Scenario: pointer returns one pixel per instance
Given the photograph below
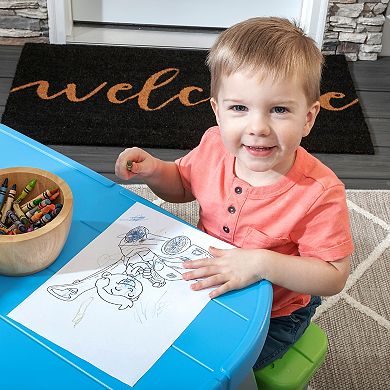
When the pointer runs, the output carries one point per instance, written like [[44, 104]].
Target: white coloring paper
[[121, 302]]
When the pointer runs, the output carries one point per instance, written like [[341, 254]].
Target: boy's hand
[[143, 163], [231, 269]]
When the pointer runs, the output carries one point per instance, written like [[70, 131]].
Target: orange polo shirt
[[303, 214]]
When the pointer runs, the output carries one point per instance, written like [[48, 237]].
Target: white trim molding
[[313, 19], [60, 20]]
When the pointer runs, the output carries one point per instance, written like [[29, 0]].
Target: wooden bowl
[[27, 253]]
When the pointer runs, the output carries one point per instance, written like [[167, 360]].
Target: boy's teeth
[[258, 147]]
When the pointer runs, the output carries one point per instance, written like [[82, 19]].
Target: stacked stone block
[[23, 19], [354, 28]]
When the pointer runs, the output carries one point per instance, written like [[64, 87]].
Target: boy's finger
[[197, 263]]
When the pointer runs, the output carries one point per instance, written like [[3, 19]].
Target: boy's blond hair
[[272, 46]]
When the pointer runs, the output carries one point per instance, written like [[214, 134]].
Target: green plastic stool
[[298, 365]]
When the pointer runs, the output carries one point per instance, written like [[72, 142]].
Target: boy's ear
[[214, 106], [311, 117]]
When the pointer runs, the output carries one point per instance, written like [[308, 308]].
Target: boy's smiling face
[[262, 124]]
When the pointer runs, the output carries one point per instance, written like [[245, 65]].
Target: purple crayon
[[3, 191], [8, 204]]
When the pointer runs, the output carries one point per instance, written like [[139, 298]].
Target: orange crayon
[[46, 194], [55, 196]]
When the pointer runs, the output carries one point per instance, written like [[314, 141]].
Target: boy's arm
[[233, 269], [162, 177]]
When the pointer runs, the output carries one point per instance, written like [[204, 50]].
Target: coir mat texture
[[148, 97]]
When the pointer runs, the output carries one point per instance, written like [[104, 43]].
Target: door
[[200, 13]]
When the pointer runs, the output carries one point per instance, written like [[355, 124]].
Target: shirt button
[[231, 209], [226, 229], [238, 190]]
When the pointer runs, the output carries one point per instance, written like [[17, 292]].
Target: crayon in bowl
[[35, 216], [19, 218]]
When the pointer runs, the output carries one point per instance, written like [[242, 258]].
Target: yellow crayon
[[20, 214]]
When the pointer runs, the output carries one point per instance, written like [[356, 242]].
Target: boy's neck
[[262, 179]]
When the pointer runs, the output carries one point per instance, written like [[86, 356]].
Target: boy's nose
[[259, 126]]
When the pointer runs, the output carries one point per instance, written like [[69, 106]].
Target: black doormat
[[121, 96]]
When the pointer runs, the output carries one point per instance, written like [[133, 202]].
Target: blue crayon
[[55, 212], [15, 220], [44, 203], [3, 191], [8, 204], [43, 221]]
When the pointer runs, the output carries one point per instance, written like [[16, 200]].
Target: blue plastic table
[[216, 351]]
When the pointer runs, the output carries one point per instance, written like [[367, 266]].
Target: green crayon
[[30, 205], [27, 189]]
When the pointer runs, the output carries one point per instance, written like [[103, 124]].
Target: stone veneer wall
[[353, 27], [23, 19]]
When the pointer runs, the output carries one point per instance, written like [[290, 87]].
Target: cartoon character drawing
[[145, 256]]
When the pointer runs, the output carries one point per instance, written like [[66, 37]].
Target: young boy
[[257, 188]]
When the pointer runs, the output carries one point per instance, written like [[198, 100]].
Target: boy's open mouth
[[259, 151], [259, 147]]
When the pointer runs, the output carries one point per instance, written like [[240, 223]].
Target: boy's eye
[[239, 107], [279, 110]]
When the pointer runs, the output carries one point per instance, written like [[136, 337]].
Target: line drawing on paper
[[81, 312], [146, 258]]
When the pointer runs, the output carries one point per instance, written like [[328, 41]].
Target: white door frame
[[60, 20], [313, 17]]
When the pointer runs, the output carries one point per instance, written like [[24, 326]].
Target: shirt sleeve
[[189, 163], [325, 231]]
